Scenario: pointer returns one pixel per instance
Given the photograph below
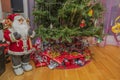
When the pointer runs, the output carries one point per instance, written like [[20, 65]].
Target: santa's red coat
[[16, 47]]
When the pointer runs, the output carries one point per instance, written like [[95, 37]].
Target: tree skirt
[[62, 60]]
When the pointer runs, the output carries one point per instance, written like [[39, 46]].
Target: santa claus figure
[[20, 45]]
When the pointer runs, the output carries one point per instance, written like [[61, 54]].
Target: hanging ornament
[[51, 26], [95, 22], [82, 24], [90, 13]]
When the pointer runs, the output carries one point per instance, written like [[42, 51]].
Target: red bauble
[[82, 25]]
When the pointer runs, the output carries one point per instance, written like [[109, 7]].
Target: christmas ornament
[[90, 13], [95, 22], [51, 26], [82, 24]]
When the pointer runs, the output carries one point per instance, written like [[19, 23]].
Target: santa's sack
[[2, 60]]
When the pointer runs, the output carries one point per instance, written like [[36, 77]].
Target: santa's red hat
[[11, 16]]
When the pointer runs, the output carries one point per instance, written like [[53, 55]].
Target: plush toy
[[20, 45]]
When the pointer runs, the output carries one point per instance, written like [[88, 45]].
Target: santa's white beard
[[22, 29]]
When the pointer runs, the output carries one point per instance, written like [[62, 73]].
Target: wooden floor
[[105, 65]]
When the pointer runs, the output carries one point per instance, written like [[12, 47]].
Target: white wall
[[1, 10], [25, 6]]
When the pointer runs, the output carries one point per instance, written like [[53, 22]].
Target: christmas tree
[[67, 21]]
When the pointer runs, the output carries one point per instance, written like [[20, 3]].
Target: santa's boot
[[18, 70], [26, 66]]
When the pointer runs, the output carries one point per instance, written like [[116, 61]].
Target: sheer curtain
[[112, 10]]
